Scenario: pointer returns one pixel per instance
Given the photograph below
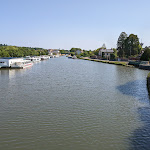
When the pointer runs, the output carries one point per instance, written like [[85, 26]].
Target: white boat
[[52, 56], [33, 59], [56, 56], [21, 65], [3, 65], [6, 62], [44, 57]]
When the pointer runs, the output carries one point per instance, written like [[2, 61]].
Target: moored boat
[[21, 65], [33, 59], [45, 57], [144, 65]]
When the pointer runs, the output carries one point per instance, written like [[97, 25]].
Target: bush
[[146, 55]]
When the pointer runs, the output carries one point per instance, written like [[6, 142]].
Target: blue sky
[[72, 23]]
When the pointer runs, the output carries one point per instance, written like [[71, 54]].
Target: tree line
[[128, 45], [14, 51], [90, 53]]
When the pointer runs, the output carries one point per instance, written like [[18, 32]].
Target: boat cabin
[[8, 61]]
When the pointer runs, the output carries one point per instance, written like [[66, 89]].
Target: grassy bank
[[122, 63]]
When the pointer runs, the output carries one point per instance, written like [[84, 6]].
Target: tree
[[114, 55], [146, 55], [72, 53], [96, 51], [132, 45], [4, 53], [75, 49], [121, 44], [14, 51]]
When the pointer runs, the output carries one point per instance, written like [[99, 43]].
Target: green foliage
[[87, 53], [64, 51], [96, 51], [112, 57], [14, 51], [146, 55], [72, 53], [115, 53], [75, 49], [91, 53], [84, 53], [3, 44], [78, 56], [128, 45], [121, 44], [132, 45], [148, 76]]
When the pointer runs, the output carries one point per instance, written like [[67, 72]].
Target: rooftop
[[107, 50]]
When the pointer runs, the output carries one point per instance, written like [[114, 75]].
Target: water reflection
[[136, 89], [11, 73], [140, 139], [73, 104]]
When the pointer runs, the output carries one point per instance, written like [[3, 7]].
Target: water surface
[[64, 104]]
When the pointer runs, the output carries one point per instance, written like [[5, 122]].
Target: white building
[[8, 61], [105, 53], [53, 52], [78, 52]]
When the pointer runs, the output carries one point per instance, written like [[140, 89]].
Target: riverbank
[[148, 82], [122, 63]]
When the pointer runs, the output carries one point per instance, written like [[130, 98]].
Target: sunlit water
[[66, 104]]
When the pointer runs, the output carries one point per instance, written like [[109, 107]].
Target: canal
[[66, 104]]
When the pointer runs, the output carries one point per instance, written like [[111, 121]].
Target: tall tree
[[75, 49], [121, 44], [132, 45]]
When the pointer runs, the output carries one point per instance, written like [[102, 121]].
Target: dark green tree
[[146, 55], [132, 45], [121, 44], [75, 49]]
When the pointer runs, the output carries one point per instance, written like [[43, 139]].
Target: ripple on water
[[74, 104]]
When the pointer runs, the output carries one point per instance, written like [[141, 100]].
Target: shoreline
[[122, 63], [119, 63]]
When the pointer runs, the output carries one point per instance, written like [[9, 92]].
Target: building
[[8, 61], [105, 53], [78, 52], [53, 52]]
